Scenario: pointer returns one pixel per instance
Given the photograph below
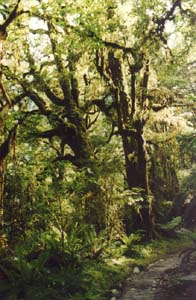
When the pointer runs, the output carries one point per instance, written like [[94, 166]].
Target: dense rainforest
[[97, 141]]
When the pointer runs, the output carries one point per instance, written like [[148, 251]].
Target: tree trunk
[[2, 180], [137, 177], [131, 132], [4, 151]]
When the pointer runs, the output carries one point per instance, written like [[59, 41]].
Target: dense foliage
[[97, 145]]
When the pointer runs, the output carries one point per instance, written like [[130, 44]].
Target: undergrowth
[[55, 275]]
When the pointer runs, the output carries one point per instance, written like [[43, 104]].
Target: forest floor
[[172, 277]]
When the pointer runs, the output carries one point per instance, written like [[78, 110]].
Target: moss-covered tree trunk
[[131, 130], [4, 151], [64, 114], [2, 180]]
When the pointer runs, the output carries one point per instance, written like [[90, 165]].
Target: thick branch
[[70, 158], [56, 100], [112, 45], [49, 93], [41, 82], [9, 20], [39, 102], [168, 17], [158, 31], [31, 94], [60, 68], [49, 134], [158, 107], [120, 47], [101, 104]]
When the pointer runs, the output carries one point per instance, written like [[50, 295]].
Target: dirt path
[[166, 279]]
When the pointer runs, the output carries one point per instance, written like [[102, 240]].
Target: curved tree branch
[[9, 20]]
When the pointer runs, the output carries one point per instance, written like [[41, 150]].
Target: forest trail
[[165, 279]]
